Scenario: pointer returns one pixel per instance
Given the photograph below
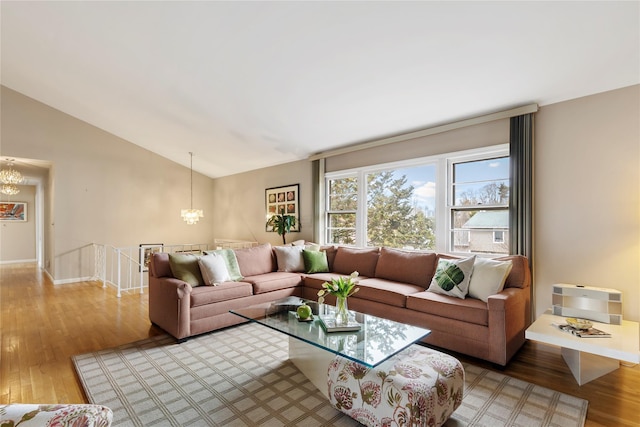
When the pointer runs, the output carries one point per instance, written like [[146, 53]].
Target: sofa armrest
[[508, 313], [169, 305]]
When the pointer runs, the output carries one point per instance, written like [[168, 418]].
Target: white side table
[[589, 358]]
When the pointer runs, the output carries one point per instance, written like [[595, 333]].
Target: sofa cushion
[[386, 291], [468, 310], [397, 265], [185, 267], [214, 269], [452, 277], [331, 252], [256, 260], [289, 258], [315, 261], [263, 283], [315, 280], [231, 261], [520, 275], [488, 277], [159, 265], [363, 261], [204, 295]]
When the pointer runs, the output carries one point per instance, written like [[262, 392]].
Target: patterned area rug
[[241, 376]]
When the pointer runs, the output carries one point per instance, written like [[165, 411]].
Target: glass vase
[[342, 311]]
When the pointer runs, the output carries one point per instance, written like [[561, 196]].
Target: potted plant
[[282, 224]]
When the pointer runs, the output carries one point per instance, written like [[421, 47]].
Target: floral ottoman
[[72, 415], [417, 387]]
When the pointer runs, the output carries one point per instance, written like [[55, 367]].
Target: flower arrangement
[[341, 287]]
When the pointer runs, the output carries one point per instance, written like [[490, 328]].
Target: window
[[450, 203], [401, 207], [342, 208], [479, 204]]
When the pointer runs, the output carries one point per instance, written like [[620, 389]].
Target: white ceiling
[[245, 85]]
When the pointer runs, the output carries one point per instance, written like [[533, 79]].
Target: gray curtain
[[521, 200]]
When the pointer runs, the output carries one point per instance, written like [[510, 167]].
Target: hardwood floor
[[43, 325]]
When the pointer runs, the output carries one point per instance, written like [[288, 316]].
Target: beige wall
[[18, 239], [587, 190], [466, 138], [239, 202], [102, 189]]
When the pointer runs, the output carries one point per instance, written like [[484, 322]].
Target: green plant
[[282, 224], [341, 287]]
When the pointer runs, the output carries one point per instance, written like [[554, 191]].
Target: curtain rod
[[526, 109]]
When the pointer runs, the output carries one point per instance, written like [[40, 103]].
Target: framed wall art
[[283, 200], [13, 211], [146, 249]]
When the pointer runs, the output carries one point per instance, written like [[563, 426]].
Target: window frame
[[444, 191], [327, 203], [487, 153]]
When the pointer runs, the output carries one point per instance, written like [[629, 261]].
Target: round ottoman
[[417, 387]]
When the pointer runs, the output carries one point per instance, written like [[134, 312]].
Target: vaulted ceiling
[[246, 85]]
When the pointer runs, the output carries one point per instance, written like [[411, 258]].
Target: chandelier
[[9, 178], [191, 216], [9, 189]]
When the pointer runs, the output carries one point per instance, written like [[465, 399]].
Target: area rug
[[241, 376]]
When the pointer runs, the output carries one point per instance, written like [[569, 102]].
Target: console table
[[589, 358]]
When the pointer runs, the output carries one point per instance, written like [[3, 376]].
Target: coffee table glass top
[[377, 340]]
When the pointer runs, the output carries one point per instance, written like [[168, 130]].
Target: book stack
[[328, 323]]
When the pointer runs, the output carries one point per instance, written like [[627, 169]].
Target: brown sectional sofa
[[393, 284]]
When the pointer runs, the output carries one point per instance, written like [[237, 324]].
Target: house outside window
[[422, 204], [487, 231], [478, 203]]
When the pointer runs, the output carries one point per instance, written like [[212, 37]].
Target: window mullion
[[361, 214], [442, 205]]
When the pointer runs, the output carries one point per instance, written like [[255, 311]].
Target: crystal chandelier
[[191, 216], [9, 189], [9, 178]]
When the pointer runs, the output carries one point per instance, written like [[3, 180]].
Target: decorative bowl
[[579, 323]]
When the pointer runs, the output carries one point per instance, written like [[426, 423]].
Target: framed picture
[[146, 249], [283, 200], [13, 211]]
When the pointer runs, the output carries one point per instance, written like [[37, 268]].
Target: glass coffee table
[[312, 349]]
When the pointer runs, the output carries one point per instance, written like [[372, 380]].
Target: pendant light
[[191, 216], [9, 178]]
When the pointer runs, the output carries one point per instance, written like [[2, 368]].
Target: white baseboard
[[73, 280], [19, 261], [48, 274]]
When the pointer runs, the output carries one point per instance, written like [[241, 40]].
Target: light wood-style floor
[[43, 325]]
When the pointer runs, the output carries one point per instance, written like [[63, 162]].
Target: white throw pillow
[[452, 277], [289, 258], [214, 269], [488, 277]]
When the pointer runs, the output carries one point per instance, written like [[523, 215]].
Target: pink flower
[[343, 397]]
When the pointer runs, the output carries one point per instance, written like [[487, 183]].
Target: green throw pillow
[[232, 262], [185, 267], [315, 261], [452, 277]]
